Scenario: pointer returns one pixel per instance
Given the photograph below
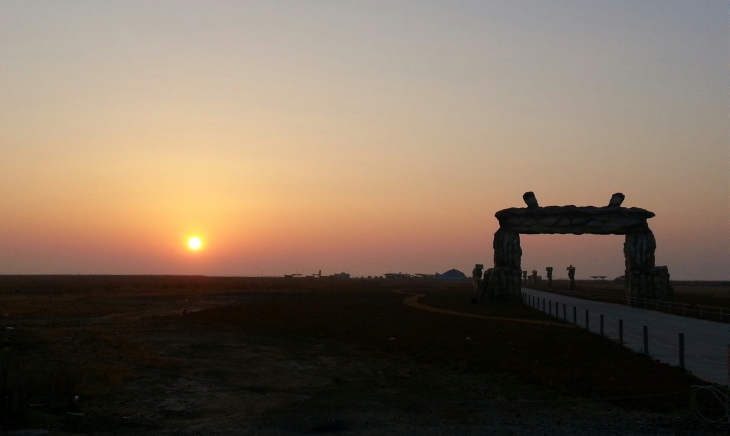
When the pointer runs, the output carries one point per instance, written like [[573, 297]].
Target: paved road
[[705, 342]]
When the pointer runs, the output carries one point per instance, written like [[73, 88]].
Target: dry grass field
[[302, 356]]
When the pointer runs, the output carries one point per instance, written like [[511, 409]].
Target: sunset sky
[[366, 137]]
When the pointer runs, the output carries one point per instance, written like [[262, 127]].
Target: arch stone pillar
[[643, 278], [506, 277]]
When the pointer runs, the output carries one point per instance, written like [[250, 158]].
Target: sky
[[366, 137]]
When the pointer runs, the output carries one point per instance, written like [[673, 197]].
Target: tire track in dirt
[[412, 301]]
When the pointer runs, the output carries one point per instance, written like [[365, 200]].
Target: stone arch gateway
[[643, 278]]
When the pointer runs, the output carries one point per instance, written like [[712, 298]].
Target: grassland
[[278, 356]]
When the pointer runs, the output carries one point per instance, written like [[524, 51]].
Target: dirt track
[[412, 301]]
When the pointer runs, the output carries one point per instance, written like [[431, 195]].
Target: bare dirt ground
[[301, 356]]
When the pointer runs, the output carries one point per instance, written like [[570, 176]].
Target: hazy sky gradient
[[356, 136]]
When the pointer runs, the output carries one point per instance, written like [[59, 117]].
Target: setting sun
[[194, 243]]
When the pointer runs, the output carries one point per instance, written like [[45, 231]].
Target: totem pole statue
[[571, 276], [549, 270]]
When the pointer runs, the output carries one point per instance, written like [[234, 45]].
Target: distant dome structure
[[452, 274]]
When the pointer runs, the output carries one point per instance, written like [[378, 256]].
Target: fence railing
[[718, 357], [713, 313]]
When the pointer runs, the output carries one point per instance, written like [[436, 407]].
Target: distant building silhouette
[[341, 275], [452, 274]]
